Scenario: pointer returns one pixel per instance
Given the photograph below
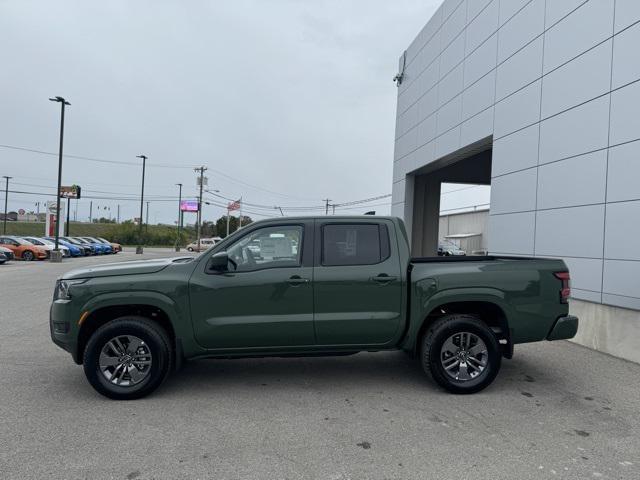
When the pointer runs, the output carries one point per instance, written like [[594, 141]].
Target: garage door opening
[[451, 188]]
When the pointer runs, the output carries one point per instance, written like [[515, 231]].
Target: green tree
[[221, 224]]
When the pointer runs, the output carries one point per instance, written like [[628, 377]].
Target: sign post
[[51, 221], [69, 192]]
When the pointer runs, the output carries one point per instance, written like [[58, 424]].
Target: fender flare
[[178, 319], [456, 295]]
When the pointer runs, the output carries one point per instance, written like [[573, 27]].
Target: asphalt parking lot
[[557, 410]]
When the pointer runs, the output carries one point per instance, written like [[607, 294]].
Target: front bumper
[[564, 328], [63, 329]]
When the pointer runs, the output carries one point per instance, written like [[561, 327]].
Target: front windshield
[[72, 240], [22, 241], [34, 241]]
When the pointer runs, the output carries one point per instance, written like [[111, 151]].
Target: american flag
[[234, 206]]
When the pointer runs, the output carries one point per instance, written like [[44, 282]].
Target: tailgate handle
[[383, 278], [297, 280]]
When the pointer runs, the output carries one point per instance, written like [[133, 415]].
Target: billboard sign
[[70, 192], [189, 205]]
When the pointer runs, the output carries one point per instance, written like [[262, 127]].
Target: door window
[[268, 247], [357, 244]]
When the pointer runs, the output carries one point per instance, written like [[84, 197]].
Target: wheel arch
[[489, 310], [102, 310]]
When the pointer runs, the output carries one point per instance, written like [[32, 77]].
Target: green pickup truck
[[308, 286]]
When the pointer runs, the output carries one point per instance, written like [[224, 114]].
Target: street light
[[6, 200], [56, 255], [179, 185], [139, 247]]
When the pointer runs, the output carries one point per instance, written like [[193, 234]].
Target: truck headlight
[[63, 287]]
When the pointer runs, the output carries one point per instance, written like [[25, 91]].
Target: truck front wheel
[[127, 358], [461, 353]]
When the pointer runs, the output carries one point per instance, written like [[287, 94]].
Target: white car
[[7, 253], [48, 245], [204, 244]]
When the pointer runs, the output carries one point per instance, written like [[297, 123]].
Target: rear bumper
[[564, 328]]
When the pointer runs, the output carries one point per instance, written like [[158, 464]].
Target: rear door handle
[[297, 280], [383, 278]]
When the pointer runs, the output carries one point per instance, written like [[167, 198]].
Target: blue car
[[74, 250], [98, 248], [106, 246]]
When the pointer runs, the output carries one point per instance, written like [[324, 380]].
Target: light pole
[[179, 185], [6, 200], [56, 255], [139, 247]]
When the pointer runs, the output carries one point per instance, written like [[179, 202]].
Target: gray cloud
[[292, 96]]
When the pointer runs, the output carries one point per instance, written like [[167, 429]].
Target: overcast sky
[[291, 97]]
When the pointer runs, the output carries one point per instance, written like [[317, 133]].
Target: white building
[[540, 100]]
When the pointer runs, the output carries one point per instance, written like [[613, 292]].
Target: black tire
[[190, 249], [28, 255], [156, 341], [431, 353]]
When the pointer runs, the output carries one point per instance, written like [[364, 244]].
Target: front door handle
[[296, 280], [383, 278]]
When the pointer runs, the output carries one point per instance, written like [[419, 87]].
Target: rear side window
[[357, 244]]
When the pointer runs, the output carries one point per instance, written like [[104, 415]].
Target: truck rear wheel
[[461, 353], [127, 358]]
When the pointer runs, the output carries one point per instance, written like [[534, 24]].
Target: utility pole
[[118, 217], [199, 219], [179, 216], [68, 215], [139, 247], [146, 227], [6, 201], [91, 211], [240, 218], [326, 209], [334, 209], [281, 212], [56, 255]]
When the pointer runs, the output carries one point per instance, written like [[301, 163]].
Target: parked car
[[116, 247], [96, 248], [49, 245], [205, 243], [351, 286], [446, 249], [8, 253], [74, 250], [3, 259], [23, 249], [85, 247], [106, 247]]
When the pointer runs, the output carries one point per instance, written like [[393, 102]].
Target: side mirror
[[219, 262]]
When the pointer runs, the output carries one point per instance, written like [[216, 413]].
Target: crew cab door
[[357, 282], [265, 298]]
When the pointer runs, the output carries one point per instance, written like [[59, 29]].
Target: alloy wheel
[[125, 360], [464, 356]]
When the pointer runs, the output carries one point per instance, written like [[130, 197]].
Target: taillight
[[565, 291]]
